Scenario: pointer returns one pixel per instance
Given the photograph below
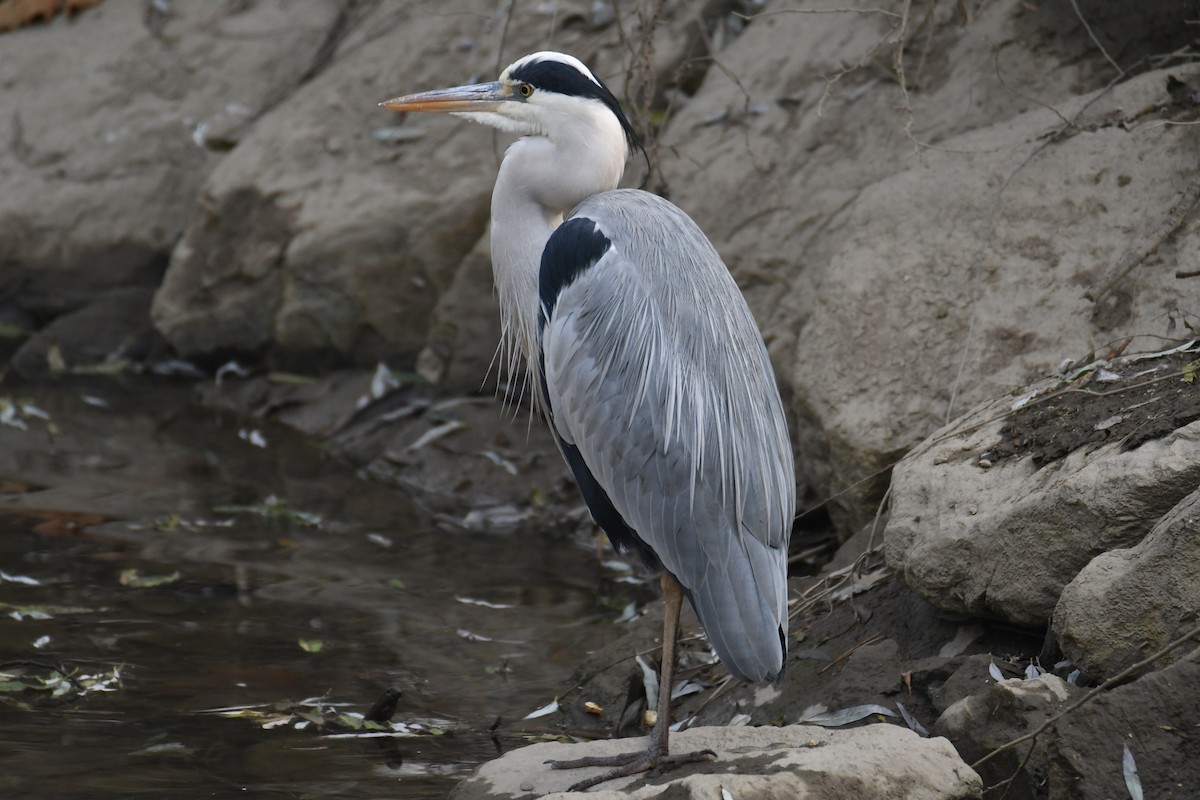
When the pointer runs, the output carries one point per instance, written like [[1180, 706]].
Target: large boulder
[[1129, 603], [795, 761], [333, 230], [115, 117], [1002, 539], [910, 255]]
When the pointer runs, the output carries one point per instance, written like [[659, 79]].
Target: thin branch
[[847, 10], [1095, 41]]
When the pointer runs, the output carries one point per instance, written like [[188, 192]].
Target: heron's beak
[[476, 97]]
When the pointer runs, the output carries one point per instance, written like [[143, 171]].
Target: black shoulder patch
[[573, 248], [555, 76]]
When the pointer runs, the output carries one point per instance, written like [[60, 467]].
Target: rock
[[1126, 604], [881, 250], [1003, 541], [108, 114], [310, 242], [981, 722], [333, 230], [876, 761], [1155, 716], [114, 328]]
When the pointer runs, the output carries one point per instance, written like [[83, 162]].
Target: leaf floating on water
[[995, 672], [22, 579], [311, 645], [913, 724], [544, 711], [134, 579], [1133, 782], [253, 436], [396, 583], [41, 642], [274, 509], [473, 637], [592, 708], [277, 721], [738, 721], [178, 749], [471, 601], [845, 716]]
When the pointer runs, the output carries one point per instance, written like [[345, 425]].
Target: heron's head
[[543, 94]]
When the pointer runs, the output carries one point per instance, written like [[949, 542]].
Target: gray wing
[[656, 372]]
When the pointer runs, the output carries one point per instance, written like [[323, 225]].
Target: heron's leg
[[656, 756]]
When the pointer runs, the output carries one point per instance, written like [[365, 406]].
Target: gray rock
[[867, 254], [876, 761], [114, 328], [981, 722], [1004, 541], [315, 240], [334, 229], [1085, 746], [115, 117], [1126, 604]]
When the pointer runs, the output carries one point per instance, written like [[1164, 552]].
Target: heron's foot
[[650, 761]]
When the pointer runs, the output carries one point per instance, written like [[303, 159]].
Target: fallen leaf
[[1133, 783], [544, 711], [845, 716]]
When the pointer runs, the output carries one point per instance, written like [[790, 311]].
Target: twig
[[870, 640], [901, 77], [846, 10], [1108, 684], [1095, 41]]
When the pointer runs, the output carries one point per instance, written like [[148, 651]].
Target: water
[[100, 504]]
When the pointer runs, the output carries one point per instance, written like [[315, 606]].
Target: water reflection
[[242, 607]]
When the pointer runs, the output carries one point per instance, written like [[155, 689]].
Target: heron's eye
[[525, 90]]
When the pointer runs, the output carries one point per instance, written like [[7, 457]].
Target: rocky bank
[[968, 232]]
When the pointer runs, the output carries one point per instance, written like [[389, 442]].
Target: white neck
[[541, 180]]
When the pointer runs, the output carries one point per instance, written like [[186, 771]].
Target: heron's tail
[[742, 605]]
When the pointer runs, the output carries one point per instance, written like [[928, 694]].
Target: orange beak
[[476, 97]]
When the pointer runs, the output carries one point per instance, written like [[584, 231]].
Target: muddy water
[[147, 549]]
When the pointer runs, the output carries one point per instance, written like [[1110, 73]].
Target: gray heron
[[647, 363]]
